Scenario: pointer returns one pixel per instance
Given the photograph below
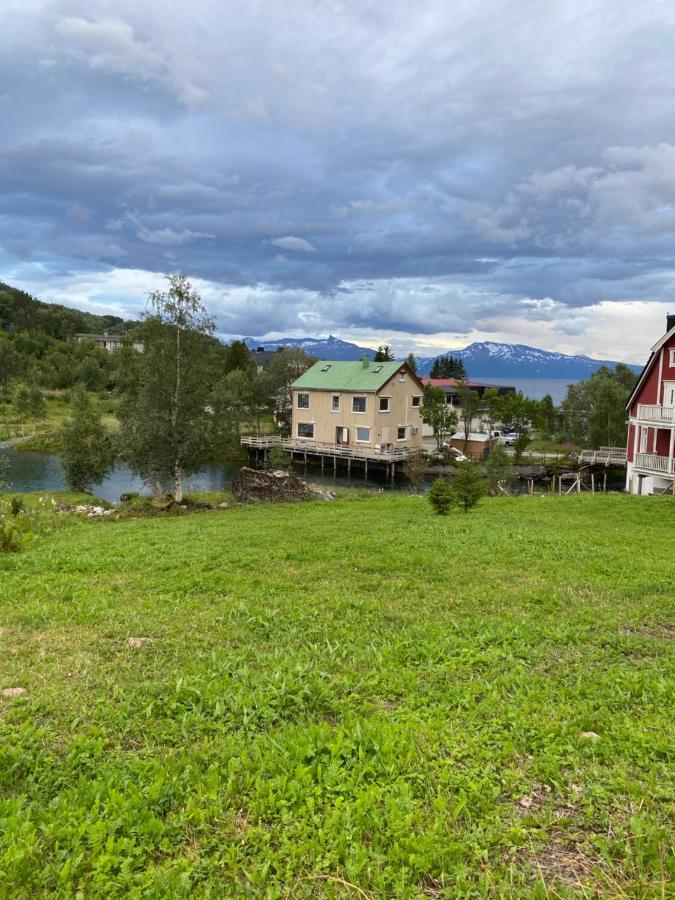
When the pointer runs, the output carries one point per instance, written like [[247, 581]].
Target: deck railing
[[605, 456], [654, 412], [317, 448], [655, 463]]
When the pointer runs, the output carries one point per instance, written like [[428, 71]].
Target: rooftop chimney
[[670, 322], [365, 362]]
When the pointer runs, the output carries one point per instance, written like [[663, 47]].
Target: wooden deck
[[605, 456], [387, 458]]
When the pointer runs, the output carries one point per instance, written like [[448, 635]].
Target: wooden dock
[[605, 456], [387, 457]]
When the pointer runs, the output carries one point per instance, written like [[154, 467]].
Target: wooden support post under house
[[592, 482]]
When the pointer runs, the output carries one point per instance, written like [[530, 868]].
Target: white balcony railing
[[652, 462], [653, 412]]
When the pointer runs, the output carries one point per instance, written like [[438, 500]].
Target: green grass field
[[347, 699]]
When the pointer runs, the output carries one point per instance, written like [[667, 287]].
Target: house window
[[363, 435], [416, 400], [672, 357], [325, 368], [400, 433], [401, 376], [384, 404], [377, 370], [358, 404], [303, 401], [335, 403], [305, 429]]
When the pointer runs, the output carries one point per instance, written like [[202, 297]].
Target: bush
[[16, 506], [467, 485], [15, 531], [441, 496], [277, 458]]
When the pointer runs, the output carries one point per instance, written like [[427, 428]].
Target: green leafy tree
[[166, 423], [238, 356], [414, 469], [490, 409], [438, 413], [28, 401], [449, 367], [231, 402], [498, 471], [545, 416], [384, 354], [412, 362], [277, 458], [469, 406], [467, 485], [593, 412], [441, 496], [286, 365], [11, 363], [86, 448]]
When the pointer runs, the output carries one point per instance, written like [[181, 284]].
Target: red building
[[651, 422]]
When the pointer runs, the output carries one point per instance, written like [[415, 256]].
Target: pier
[[387, 457]]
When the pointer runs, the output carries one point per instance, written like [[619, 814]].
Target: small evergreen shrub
[[441, 496]]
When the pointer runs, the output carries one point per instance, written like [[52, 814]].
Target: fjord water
[[29, 471]]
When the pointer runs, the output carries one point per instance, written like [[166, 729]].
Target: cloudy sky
[[425, 173]]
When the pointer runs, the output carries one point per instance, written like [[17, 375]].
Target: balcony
[[653, 412], [652, 462]]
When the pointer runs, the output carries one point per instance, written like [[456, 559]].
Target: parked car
[[509, 438]]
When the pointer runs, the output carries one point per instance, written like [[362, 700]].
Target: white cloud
[[294, 243]]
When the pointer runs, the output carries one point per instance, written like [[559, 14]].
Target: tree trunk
[[154, 486], [174, 421]]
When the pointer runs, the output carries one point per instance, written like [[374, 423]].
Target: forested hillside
[[21, 312], [36, 345]]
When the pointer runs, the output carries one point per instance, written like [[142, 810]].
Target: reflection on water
[[28, 471]]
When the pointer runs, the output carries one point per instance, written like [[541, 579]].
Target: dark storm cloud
[[464, 162]]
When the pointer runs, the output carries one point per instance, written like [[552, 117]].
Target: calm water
[[534, 387], [29, 471]]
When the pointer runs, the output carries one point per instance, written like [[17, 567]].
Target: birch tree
[[166, 419]]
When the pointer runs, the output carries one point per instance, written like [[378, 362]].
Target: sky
[[423, 174]]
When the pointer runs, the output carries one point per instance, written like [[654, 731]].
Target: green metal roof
[[328, 375]]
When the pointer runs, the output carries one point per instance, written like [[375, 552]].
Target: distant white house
[[109, 342]]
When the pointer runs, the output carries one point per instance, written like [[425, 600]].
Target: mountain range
[[484, 359]]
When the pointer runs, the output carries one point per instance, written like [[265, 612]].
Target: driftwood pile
[[274, 486]]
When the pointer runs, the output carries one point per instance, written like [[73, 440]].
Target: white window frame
[[417, 397], [672, 357], [305, 437], [405, 432], [334, 408], [360, 412], [388, 409], [401, 376], [363, 428], [297, 400]]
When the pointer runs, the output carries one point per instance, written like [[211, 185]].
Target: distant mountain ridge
[[488, 359], [484, 359], [325, 348]]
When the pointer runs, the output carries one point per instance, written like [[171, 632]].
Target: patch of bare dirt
[[8, 693], [663, 630], [565, 864], [133, 643]]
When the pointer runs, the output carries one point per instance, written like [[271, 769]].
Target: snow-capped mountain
[[325, 348], [491, 360], [484, 359]]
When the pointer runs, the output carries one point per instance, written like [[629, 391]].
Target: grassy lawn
[[350, 699], [43, 434]]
